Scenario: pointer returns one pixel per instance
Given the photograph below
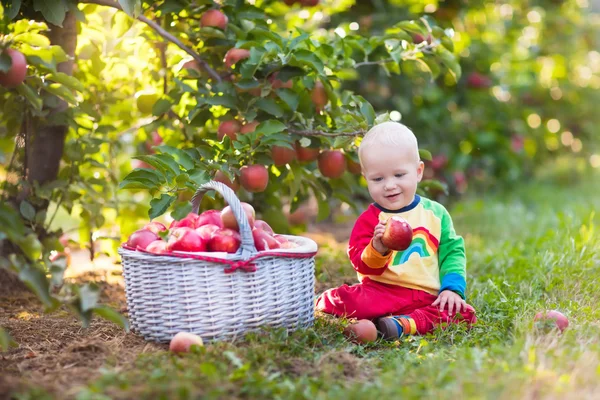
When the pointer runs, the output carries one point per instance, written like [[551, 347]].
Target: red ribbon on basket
[[246, 266]]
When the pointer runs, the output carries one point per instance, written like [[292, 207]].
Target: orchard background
[[126, 107]]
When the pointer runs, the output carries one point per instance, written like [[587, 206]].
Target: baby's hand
[[377, 234], [454, 302]]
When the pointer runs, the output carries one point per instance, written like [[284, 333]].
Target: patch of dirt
[[55, 352]]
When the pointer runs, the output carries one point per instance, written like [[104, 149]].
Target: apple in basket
[[226, 240], [206, 231], [260, 224], [264, 240], [155, 227], [186, 239], [158, 247], [229, 220], [210, 217], [141, 238], [189, 221]]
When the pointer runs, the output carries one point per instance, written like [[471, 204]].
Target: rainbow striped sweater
[[435, 260]]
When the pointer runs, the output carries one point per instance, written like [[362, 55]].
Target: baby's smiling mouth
[[389, 196]]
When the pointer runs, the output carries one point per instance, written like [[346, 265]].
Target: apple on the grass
[[141, 238], [264, 241], [228, 218], [558, 318], [186, 239], [226, 240], [158, 247], [155, 227], [398, 234], [206, 231], [209, 217], [183, 342], [189, 221]]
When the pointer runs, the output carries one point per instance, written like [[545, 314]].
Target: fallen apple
[[226, 240], [398, 234], [362, 331], [183, 342], [186, 239], [558, 318], [141, 238]]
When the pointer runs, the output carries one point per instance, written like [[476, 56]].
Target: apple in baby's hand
[[158, 247], [260, 224], [183, 341], [206, 231], [558, 318], [263, 240], [155, 227], [188, 221], [226, 240], [141, 238], [186, 239], [229, 220], [398, 234], [210, 217]]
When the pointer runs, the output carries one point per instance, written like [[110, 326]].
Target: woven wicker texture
[[168, 294]]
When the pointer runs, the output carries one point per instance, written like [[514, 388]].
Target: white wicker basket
[[220, 296]]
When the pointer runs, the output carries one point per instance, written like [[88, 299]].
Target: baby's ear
[[420, 170]]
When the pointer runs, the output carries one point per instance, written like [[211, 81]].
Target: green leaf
[[425, 154], [88, 296], [62, 92], [290, 98], [367, 110], [33, 39], [450, 61], [271, 127], [5, 62], [31, 246], [225, 100], [198, 176], [270, 106], [131, 7], [54, 11], [6, 341], [27, 210], [141, 179], [410, 26], [160, 205], [181, 210], [36, 280], [67, 80], [161, 107], [10, 222], [323, 204], [11, 9], [121, 23], [448, 43], [32, 97], [110, 314], [307, 58], [183, 158]]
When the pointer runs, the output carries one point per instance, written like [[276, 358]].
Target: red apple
[[290, 2], [155, 227], [189, 221], [278, 83], [418, 38], [476, 80], [398, 234], [221, 177], [306, 154], [141, 238], [353, 167], [319, 96], [559, 318], [282, 155], [229, 128], [183, 341], [254, 178], [17, 72], [439, 161], [309, 3], [214, 18], [263, 240], [226, 240], [287, 245], [363, 331], [249, 127], [206, 231], [260, 224], [192, 64], [280, 238], [332, 163], [186, 239], [158, 247], [209, 217], [228, 218], [233, 56]]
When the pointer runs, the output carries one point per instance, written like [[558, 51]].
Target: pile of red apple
[[213, 230]]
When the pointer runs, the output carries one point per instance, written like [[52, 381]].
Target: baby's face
[[392, 174]]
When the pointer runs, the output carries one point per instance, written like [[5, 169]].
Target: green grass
[[537, 248]]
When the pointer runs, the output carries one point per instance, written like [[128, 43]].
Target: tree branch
[[360, 132], [166, 35]]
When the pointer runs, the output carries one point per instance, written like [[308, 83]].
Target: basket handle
[[247, 248]]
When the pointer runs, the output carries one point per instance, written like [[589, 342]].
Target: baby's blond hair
[[390, 134]]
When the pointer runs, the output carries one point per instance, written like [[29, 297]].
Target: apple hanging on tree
[[17, 72]]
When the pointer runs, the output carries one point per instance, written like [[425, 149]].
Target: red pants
[[371, 300]]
